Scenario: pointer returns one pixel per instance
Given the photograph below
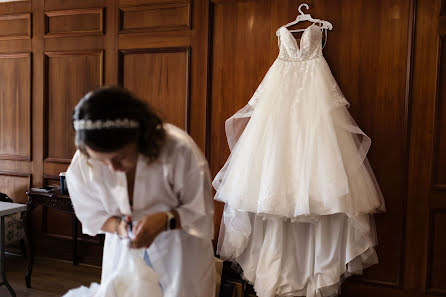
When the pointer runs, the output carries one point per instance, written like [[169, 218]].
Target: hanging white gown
[[297, 186], [179, 179]]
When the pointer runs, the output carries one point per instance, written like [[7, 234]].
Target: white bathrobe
[[179, 179]]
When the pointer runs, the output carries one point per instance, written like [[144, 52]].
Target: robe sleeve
[[196, 207], [86, 200]]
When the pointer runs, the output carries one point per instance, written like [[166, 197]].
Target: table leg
[[75, 224], [2, 257], [27, 223]]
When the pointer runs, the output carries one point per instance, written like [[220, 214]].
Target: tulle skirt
[[300, 153]]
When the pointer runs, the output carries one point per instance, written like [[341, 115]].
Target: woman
[[134, 172]]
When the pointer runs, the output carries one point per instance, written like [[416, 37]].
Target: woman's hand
[[148, 229], [117, 225], [122, 227]]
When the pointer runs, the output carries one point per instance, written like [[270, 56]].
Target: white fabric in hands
[[132, 278]]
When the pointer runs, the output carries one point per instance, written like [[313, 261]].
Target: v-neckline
[[293, 39], [131, 203]]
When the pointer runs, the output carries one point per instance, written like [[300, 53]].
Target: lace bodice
[[310, 44]]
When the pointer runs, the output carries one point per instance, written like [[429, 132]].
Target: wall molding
[[58, 54], [186, 50], [180, 13], [26, 34], [72, 13], [28, 156]]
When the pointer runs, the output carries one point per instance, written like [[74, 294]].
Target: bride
[[135, 175]]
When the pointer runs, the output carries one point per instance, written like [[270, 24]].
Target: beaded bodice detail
[[310, 44]]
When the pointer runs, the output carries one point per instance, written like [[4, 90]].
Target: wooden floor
[[50, 277]]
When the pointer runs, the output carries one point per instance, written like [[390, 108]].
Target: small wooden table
[[6, 208], [56, 200]]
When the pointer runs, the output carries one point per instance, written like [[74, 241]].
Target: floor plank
[[50, 277]]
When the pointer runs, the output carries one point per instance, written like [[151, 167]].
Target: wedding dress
[[298, 188]]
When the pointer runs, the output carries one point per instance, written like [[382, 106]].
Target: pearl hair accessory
[[104, 124]]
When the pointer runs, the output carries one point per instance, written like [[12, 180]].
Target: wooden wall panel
[[175, 16], [15, 185], [75, 22], [15, 7], [160, 77], [17, 26], [436, 275], [70, 75], [15, 106], [237, 61], [439, 177], [73, 4], [421, 162], [145, 2]]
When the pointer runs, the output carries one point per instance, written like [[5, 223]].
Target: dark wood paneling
[[15, 46], [439, 177], [145, 2], [15, 166], [155, 40], [438, 200], [15, 106], [161, 78], [63, 44], [200, 69], [174, 16], [69, 76], [74, 22], [15, 185], [73, 4], [436, 275], [422, 119], [17, 26], [240, 59], [53, 168], [15, 7]]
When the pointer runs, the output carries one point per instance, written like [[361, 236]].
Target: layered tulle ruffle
[[300, 152]]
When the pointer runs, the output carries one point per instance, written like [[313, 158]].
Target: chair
[[14, 228]]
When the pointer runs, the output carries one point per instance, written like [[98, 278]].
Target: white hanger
[[307, 17]]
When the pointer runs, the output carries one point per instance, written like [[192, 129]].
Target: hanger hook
[[300, 7]]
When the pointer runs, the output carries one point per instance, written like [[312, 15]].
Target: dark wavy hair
[[111, 103]]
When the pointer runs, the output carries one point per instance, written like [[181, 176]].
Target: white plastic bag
[[132, 278]]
